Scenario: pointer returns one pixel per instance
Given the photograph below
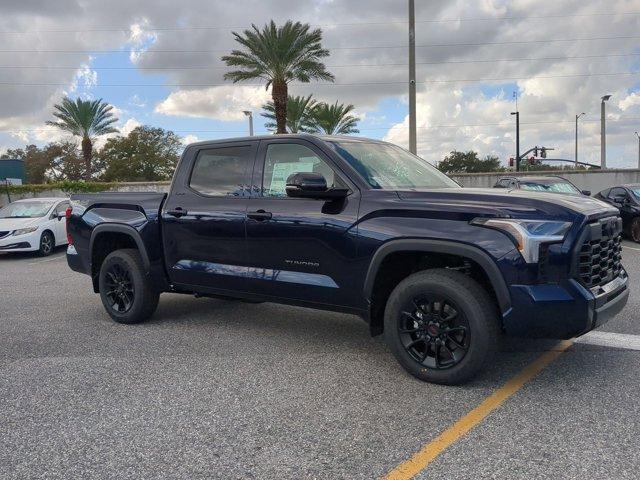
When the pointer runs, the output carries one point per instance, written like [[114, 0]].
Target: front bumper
[[20, 243], [563, 310]]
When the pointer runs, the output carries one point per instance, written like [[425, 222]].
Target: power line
[[344, 65], [110, 28], [369, 47], [505, 123], [354, 84]]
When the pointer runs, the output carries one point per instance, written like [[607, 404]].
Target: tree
[[299, 114], [56, 161], [146, 154], [335, 119], [468, 162], [279, 55], [85, 119]]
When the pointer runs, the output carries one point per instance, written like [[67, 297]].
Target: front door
[[298, 248], [204, 218]]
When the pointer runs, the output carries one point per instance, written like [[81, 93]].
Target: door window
[[617, 192], [285, 159], [221, 171]]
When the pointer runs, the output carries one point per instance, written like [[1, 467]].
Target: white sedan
[[34, 224]]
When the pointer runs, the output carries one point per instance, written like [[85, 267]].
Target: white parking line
[[47, 260], [610, 339], [631, 248]]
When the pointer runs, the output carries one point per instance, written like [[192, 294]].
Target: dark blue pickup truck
[[363, 227]]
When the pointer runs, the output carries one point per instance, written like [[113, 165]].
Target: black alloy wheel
[[120, 291], [434, 332]]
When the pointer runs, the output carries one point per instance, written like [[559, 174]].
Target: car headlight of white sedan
[[24, 231]]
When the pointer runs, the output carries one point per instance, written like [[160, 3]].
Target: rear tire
[[47, 244], [441, 325], [125, 291], [634, 230]]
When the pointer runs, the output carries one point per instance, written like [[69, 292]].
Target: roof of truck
[[304, 136]]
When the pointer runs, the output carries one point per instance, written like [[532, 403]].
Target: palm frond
[[335, 119]]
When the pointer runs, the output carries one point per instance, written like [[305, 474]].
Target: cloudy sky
[[159, 63]]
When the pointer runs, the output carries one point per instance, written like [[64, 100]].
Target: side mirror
[[619, 199], [312, 185], [61, 215], [586, 192]]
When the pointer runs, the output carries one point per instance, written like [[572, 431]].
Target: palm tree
[[279, 55], [85, 119], [299, 114], [335, 119]]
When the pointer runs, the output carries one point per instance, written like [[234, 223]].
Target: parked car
[[545, 183], [627, 199], [358, 226], [34, 224]]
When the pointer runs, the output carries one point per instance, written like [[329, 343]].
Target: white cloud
[[631, 100], [224, 103], [188, 139], [128, 126]]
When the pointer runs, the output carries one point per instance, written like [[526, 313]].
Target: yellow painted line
[[430, 452]]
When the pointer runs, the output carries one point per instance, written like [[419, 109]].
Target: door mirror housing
[[586, 192], [619, 199], [312, 185], [61, 215]]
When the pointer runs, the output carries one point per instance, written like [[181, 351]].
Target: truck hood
[[512, 203], [8, 224]]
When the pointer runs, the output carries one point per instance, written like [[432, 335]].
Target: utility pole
[[517, 114], [249, 114], [638, 149], [576, 156], [413, 142], [603, 134]]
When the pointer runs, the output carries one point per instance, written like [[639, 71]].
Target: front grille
[[4, 234], [600, 255]]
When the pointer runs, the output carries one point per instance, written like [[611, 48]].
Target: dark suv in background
[[625, 198]]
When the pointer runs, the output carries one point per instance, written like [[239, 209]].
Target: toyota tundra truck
[[363, 227]]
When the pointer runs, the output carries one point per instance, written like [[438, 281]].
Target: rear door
[[299, 248], [204, 218]]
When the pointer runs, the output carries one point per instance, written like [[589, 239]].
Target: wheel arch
[[437, 247], [120, 236]]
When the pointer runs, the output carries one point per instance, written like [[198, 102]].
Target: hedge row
[[66, 186]]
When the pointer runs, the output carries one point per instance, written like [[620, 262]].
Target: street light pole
[[249, 114], [517, 114], [413, 141], [638, 149], [603, 134], [576, 156]]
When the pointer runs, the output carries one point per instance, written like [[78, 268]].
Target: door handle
[[177, 212], [260, 215]]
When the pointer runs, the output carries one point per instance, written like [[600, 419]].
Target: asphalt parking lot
[[217, 389]]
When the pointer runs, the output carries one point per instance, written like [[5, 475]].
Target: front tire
[[47, 243], [441, 325], [126, 293]]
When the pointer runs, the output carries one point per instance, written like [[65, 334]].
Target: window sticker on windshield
[[282, 171]]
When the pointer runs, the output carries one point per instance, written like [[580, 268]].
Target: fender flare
[[125, 229], [442, 246]]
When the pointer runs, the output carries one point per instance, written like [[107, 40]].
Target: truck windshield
[[388, 167], [25, 210]]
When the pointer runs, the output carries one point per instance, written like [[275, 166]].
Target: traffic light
[[511, 161], [543, 152], [535, 152]]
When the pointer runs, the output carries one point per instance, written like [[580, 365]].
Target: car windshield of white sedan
[[550, 186], [25, 210], [388, 167], [636, 192]]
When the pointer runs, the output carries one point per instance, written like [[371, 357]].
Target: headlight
[[528, 235], [24, 231]]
